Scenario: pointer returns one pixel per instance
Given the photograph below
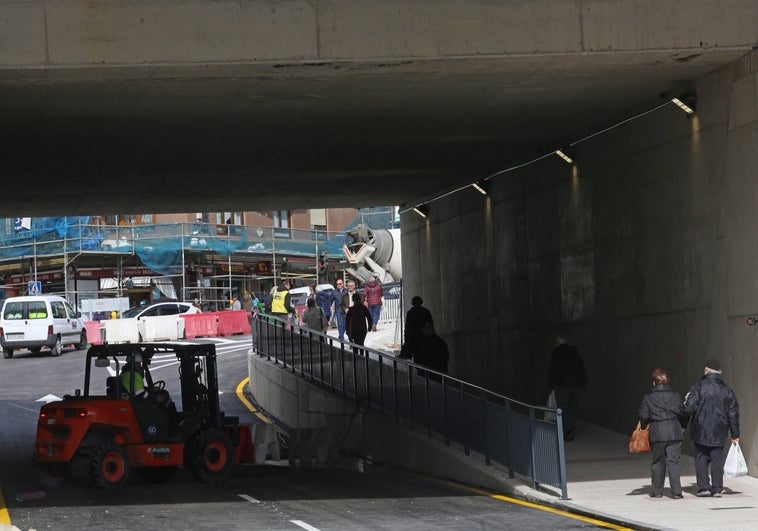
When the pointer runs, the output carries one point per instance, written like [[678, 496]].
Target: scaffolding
[[192, 261]]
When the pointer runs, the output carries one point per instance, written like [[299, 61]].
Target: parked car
[[165, 307], [37, 321], [157, 309]]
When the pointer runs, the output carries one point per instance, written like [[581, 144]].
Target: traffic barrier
[[162, 327], [200, 324], [94, 336], [243, 444], [233, 322], [265, 442], [121, 330]]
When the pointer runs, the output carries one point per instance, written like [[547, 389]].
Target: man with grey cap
[[715, 413]]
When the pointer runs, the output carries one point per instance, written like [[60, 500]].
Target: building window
[[227, 218], [281, 224], [318, 232], [281, 219]]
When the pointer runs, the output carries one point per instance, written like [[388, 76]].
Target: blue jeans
[[341, 324], [375, 312]]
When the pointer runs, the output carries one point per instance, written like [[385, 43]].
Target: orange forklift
[[106, 435]]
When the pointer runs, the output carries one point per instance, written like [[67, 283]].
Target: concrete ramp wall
[[356, 432]]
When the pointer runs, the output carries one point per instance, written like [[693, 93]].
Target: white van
[[37, 321]]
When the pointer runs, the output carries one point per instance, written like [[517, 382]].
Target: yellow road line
[[249, 405], [5, 517], [594, 521]]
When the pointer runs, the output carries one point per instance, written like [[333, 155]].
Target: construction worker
[[139, 380], [281, 303]]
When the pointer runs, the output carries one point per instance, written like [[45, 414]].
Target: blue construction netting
[[160, 247]]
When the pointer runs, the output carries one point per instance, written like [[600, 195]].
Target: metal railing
[[506, 431]]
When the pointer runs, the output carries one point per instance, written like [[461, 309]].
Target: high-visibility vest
[[277, 303], [139, 382]]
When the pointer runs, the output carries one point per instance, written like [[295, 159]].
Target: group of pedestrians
[[712, 408], [357, 315], [354, 315]]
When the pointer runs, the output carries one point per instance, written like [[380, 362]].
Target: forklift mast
[[199, 382]]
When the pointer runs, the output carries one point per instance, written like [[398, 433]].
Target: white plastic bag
[[735, 465], [552, 404]]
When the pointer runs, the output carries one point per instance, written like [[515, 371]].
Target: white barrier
[[162, 327], [121, 330], [265, 442]]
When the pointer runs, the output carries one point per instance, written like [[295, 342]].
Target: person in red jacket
[[373, 294]]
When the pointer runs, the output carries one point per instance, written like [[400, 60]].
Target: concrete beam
[[67, 33]]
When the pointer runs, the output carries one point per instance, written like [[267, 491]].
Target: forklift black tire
[[157, 474], [109, 466], [7, 353], [210, 456]]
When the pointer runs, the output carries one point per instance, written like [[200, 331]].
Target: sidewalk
[[606, 481]]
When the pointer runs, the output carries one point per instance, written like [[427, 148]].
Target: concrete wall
[[363, 433], [644, 253], [65, 33]]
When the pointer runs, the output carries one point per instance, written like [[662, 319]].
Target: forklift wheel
[[109, 466], [211, 456]]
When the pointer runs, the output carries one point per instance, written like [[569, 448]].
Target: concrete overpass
[[642, 251]]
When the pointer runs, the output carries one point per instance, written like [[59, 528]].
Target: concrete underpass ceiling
[[258, 137]]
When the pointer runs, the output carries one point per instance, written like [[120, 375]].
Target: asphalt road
[[347, 496]]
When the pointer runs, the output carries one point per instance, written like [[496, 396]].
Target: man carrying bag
[[715, 413]]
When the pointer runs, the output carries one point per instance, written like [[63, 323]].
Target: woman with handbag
[[663, 411]]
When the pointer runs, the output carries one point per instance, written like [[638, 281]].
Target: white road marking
[[304, 525], [248, 498]]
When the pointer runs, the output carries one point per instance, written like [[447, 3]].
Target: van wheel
[[57, 348], [7, 353], [82, 342]]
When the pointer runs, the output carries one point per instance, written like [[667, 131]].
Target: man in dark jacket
[[662, 409], [415, 319], [715, 413], [567, 377], [432, 350]]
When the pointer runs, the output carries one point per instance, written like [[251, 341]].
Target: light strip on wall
[[688, 100], [562, 154], [479, 187], [686, 103]]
